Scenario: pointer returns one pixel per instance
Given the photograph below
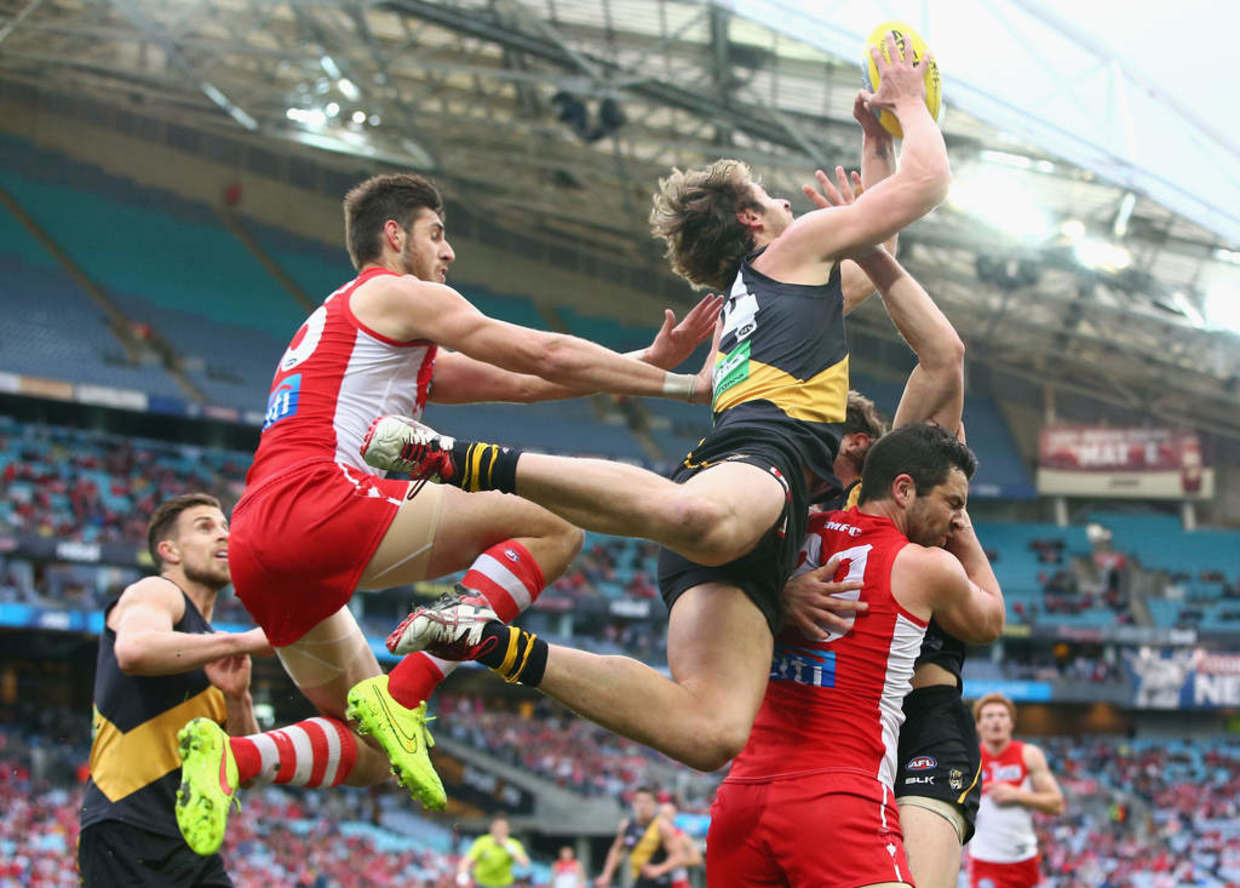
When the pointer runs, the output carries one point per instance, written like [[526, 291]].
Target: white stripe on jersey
[[906, 638]]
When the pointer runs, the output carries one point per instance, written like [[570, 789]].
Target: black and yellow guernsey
[[782, 366], [134, 766]]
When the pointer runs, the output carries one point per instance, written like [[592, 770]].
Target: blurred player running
[[315, 522], [649, 842], [733, 517], [689, 849], [1016, 781]]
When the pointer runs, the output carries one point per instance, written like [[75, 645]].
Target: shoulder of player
[[1032, 755], [931, 572], [403, 287], [153, 592]]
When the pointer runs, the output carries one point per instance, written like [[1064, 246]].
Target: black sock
[[517, 655], [485, 466]]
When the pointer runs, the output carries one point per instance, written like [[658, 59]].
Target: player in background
[[316, 523], [938, 786], [1016, 781], [810, 800], [490, 858], [160, 663], [689, 848], [567, 871], [733, 517], [648, 841]]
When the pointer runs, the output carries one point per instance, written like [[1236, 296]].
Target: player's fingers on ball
[[893, 53]]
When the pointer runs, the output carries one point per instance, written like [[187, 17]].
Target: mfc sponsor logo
[[804, 666], [841, 527], [283, 401], [1009, 773]]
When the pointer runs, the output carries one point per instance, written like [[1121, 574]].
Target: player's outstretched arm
[[935, 389], [146, 643], [460, 379], [425, 310], [613, 858], [674, 850], [882, 211]]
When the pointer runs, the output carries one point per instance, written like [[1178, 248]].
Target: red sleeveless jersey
[[335, 377], [836, 705], [1005, 833]]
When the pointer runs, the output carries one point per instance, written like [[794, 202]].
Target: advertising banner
[[1144, 463]]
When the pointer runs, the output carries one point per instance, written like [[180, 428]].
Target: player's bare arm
[[146, 643], [935, 389], [1044, 795], [410, 309], [962, 596], [878, 161], [613, 857], [460, 379], [825, 236]]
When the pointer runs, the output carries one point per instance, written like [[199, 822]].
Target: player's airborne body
[[732, 520], [316, 523]]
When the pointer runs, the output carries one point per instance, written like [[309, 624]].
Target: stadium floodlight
[[359, 117], [993, 198], [1072, 229], [348, 89], [1222, 308], [330, 67], [331, 109], [1229, 256], [1102, 255]]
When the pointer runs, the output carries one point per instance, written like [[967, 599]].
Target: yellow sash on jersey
[[645, 848]]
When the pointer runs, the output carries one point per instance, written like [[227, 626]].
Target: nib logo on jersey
[[282, 402], [804, 666]]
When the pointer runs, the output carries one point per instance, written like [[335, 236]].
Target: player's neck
[[885, 509], [203, 596], [996, 747], [388, 262]]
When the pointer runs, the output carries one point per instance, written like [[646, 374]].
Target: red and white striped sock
[[315, 752], [509, 578]]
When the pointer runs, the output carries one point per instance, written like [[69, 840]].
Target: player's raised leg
[[714, 517], [510, 547]]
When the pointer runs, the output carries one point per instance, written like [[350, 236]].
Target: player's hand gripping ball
[[904, 35]]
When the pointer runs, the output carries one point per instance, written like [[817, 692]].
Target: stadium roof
[[1090, 240]]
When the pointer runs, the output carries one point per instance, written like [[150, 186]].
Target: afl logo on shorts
[[922, 763]]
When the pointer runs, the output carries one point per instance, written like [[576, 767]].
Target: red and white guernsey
[[1005, 833], [335, 377], [836, 705]]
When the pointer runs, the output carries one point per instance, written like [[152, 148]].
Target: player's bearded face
[[203, 545], [426, 253], [931, 516]]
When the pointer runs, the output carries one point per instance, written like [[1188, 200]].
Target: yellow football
[[903, 34]]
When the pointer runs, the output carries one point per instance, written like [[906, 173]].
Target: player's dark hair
[[695, 213], [863, 417], [368, 207], [924, 451], [648, 789], [164, 520]]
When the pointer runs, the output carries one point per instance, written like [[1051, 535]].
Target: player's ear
[[394, 235], [749, 217], [904, 490], [169, 552]]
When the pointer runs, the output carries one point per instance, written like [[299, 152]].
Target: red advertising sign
[[1132, 462]]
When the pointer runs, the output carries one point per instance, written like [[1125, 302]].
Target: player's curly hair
[[863, 417], [695, 212], [368, 206]]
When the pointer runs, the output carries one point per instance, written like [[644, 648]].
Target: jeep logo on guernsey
[[283, 401], [804, 666], [922, 763]]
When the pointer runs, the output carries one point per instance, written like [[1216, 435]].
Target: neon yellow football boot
[[403, 735], [208, 785]]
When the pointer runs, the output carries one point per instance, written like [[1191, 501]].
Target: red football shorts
[[1023, 874], [300, 540], [834, 828]]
